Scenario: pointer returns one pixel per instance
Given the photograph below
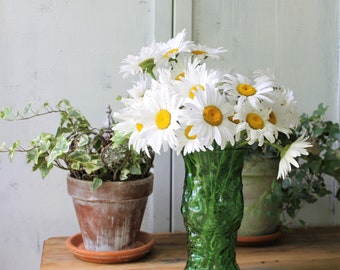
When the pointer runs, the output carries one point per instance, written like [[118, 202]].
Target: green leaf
[[302, 222], [40, 162], [79, 155], [12, 149], [83, 140], [337, 174], [3, 147], [315, 165], [124, 174], [32, 156], [75, 166], [91, 167], [135, 169], [286, 183], [44, 147], [6, 113], [27, 108], [96, 183], [338, 194], [291, 212], [62, 147], [45, 169]]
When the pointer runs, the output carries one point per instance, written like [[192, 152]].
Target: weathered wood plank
[[313, 248]]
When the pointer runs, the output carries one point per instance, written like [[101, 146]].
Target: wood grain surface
[[300, 249]]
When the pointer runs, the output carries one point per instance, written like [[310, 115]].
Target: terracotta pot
[[110, 217], [260, 217]]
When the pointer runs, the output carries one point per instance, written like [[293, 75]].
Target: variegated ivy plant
[[308, 182], [87, 153]]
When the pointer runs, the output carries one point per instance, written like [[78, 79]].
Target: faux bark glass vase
[[212, 207]]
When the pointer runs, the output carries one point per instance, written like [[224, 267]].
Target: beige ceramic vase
[[261, 217]]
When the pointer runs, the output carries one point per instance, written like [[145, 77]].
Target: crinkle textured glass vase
[[212, 207]]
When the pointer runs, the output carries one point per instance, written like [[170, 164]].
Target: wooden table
[[312, 249]]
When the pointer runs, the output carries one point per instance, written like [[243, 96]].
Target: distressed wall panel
[[50, 50], [298, 40]]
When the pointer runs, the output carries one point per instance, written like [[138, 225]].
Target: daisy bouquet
[[177, 101]]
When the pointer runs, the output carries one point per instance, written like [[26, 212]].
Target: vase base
[[259, 240], [143, 245]]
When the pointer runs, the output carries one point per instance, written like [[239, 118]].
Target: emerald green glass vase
[[212, 207]]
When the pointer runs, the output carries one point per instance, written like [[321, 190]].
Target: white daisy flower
[[264, 75], [283, 115], [176, 45], [136, 93], [129, 126], [139, 88], [142, 63], [218, 110], [180, 66], [126, 123], [243, 89], [289, 154], [255, 122], [202, 52], [164, 78], [160, 118], [196, 77], [187, 142], [208, 113]]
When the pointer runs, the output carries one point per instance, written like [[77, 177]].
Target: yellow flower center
[[178, 77], [187, 131], [272, 118], [198, 52], [195, 89], [212, 115], [163, 119], [231, 119], [170, 52], [139, 126], [246, 89], [255, 121]]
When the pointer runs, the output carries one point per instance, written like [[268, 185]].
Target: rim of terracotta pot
[[261, 167], [82, 189]]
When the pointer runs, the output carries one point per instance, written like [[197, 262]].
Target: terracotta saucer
[[144, 244], [258, 240]]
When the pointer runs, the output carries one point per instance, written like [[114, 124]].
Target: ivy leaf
[[91, 167], [45, 169], [302, 222], [40, 162], [62, 146], [6, 113], [124, 174], [134, 169], [286, 183], [96, 183], [83, 140], [12, 149], [338, 194], [315, 165], [75, 166], [79, 155], [27, 108], [291, 212]]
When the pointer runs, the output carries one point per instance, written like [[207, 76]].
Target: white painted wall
[[298, 40], [53, 49]]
